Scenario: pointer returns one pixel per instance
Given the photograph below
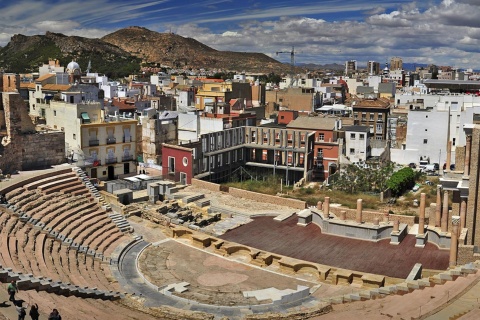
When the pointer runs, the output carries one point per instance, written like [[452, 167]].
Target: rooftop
[[313, 123]]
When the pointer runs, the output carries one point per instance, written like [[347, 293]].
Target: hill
[[175, 51], [26, 53]]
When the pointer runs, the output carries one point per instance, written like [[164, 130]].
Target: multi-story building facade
[[350, 67], [357, 143], [372, 113], [218, 155], [327, 145], [223, 92], [104, 148], [396, 63], [373, 68]]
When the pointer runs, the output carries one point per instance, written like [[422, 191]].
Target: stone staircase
[[121, 222], [29, 282], [407, 286], [93, 190]]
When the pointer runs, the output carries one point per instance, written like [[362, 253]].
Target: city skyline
[[441, 32]]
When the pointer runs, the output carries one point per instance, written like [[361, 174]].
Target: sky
[[443, 32]]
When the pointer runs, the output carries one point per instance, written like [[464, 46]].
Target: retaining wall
[[368, 216], [260, 197]]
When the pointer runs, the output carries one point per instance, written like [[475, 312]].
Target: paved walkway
[[132, 281]]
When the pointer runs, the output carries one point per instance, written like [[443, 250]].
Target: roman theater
[[203, 251]]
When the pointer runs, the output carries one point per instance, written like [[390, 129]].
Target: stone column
[[445, 212], [463, 212], [386, 217], [454, 241], [439, 206], [449, 156], [326, 207], [359, 211], [396, 226], [468, 146], [319, 205], [421, 220]]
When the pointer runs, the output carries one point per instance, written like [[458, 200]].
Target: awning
[[85, 117]]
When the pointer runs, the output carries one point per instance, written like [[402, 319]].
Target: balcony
[[92, 162], [111, 160], [93, 142], [127, 139], [111, 140], [127, 158]]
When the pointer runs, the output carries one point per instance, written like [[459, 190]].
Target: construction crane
[[292, 62]]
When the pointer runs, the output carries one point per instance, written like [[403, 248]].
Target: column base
[[421, 240]]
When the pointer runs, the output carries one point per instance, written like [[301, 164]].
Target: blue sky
[[445, 32]]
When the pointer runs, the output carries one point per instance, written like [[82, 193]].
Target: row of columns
[[457, 221], [441, 211]]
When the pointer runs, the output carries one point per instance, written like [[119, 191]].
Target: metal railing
[[111, 160], [111, 140], [127, 139], [93, 142], [127, 158]]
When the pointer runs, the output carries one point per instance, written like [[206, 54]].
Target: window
[[453, 142], [426, 130], [352, 151], [362, 136], [320, 152], [378, 138], [372, 115], [379, 127], [282, 117], [352, 136], [321, 136], [280, 100], [355, 115], [54, 113], [171, 164], [380, 117], [425, 141], [74, 136]]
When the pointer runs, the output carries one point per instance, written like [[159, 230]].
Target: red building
[[177, 163]]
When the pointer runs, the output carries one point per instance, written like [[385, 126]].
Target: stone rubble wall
[[206, 185], [368, 216], [293, 203], [42, 150]]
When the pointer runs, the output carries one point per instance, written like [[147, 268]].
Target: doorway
[[93, 173], [111, 172], [183, 178], [126, 168]]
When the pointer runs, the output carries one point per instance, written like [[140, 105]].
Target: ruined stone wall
[[472, 219], [42, 150], [368, 216], [466, 255], [459, 158], [206, 185], [293, 203]]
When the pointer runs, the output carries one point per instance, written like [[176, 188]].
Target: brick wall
[[298, 204], [368, 216], [205, 185]]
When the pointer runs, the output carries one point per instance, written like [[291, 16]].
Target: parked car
[[416, 187]]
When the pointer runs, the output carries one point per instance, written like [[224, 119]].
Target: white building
[[357, 143]]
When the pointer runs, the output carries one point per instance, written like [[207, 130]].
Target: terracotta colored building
[[327, 146], [177, 163]]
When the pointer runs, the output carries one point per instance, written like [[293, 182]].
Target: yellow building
[[223, 92], [104, 148]]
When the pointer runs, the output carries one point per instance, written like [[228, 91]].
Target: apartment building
[[372, 113]]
